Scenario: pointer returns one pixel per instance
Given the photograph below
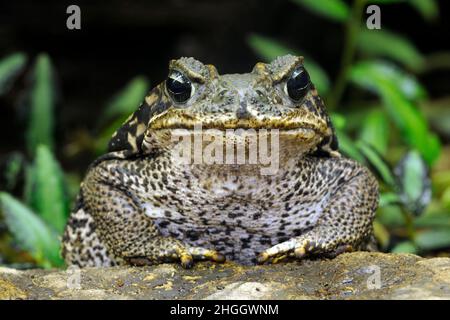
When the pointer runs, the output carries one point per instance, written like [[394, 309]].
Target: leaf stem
[[352, 29], [409, 222]]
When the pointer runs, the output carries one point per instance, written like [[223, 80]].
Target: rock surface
[[359, 275]]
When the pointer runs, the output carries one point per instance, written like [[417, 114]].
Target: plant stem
[[409, 225], [351, 32]]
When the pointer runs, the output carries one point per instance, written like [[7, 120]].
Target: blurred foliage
[[45, 191], [40, 98], [119, 108], [31, 232], [10, 68], [386, 128], [37, 221], [335, 9], [400, 49]]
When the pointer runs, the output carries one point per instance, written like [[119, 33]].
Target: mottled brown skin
[[137, 206]]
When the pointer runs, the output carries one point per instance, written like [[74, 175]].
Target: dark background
[[121, 39]]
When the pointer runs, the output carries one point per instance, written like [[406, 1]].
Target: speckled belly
[[237, 216], [240, 238]]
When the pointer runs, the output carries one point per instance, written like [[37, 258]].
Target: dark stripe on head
[[130, 135]]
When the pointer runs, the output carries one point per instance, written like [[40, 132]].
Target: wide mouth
[[296, 122], [221, 127], [240, 132]]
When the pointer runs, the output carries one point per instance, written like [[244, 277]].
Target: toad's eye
[[179, 86], [298, 84]]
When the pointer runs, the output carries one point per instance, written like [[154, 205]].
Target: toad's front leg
[[129, 233], [346, 221]]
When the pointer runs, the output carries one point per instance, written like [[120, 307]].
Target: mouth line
[[219, 130], [231, 126]]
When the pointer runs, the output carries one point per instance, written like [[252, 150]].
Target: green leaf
[[268, 49], [101, 143], [373, 74], [388, 44], [441, 181], [446, 198], [388, 198], [13, 168], [334, 9], [347, 146], [433, 221], [48, 197], [10, 68], [377, 162], [127, 100], [386, 1], [381, 234], [31, 233], [385, 81], [375, 130], [28, 185], [338, 120], [438, 113], [391, 215], [356, 115], [433, 239], [414, 181], [428, 8], [405, 247], [41, 100]]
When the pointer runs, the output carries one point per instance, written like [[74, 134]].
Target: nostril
[[242, 112]]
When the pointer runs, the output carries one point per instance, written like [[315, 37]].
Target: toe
[[186, 261], [300, 252], [199, 253], [262, 257], [276, 253], [218, 257]]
